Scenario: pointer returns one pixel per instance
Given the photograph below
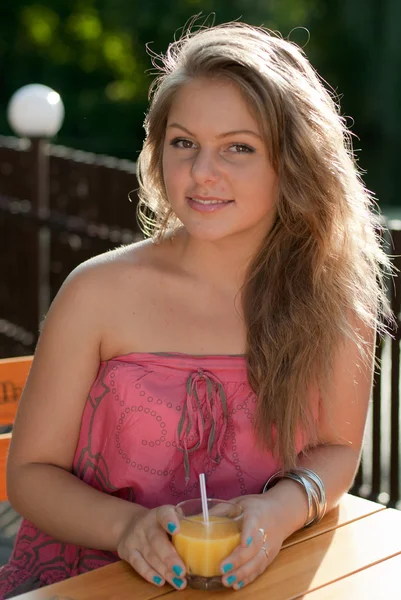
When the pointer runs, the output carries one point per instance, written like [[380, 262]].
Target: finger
[[251, 531], [244, 553], [155, 571], [248, 572], [168, 519], [218, 510], [144, 569], [161, 554], [174, 573]]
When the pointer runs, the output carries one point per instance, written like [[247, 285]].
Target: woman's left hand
[[261, 540]]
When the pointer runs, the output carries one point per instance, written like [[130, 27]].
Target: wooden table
[[354, 553]]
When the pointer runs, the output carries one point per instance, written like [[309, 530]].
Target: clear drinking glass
[[203, 546]]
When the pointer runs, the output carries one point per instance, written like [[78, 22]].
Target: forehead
[[215, 104]]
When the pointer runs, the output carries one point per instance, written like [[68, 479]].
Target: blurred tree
[[356, 46], [93, 53], [92, 64]]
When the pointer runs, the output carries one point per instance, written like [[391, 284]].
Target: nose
[[204, 167]]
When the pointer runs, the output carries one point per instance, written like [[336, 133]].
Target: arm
[[283, 509], [40, 484], [336, 459]]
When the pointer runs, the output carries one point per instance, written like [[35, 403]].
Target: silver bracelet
[[320, 486], [313, 486], [273, 480], [313, 500]]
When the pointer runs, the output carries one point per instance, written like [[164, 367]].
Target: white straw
[[202, 483]]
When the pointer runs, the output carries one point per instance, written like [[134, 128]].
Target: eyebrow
[[221, 135]]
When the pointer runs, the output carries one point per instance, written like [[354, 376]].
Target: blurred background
[[93, 53]]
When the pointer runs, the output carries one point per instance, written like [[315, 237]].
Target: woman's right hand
[[145, 544]]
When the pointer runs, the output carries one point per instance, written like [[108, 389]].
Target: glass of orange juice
[[204, 545]]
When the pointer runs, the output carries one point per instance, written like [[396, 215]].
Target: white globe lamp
[[36, 111]]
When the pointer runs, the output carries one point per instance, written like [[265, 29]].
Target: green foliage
[[356, 46], [93, 53]]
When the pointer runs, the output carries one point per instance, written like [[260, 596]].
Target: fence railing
[[89, 212]]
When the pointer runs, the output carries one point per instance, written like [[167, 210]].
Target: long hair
[[321, 267]]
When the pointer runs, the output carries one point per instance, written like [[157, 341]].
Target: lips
[[210, 200], [208, 205]]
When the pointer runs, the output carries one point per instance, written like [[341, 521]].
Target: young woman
[[238, 341]]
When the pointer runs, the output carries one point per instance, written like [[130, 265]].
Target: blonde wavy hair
[[320, 270]]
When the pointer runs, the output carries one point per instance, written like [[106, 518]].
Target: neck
[[222, 263]]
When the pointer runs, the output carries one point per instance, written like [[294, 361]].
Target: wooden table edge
[[312, 532], [325, 585]]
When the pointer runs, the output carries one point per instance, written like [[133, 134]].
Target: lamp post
[[36, 111]]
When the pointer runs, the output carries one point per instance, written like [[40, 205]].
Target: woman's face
[[216, 169]]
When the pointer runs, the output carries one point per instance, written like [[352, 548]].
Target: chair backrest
[[13, 375]]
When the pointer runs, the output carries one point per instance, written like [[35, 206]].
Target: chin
[[211, 234]]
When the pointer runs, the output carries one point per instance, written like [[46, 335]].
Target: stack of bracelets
[[313, 487]]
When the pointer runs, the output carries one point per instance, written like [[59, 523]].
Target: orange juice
[[202, 546]]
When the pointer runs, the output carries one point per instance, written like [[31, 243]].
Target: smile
[[208, 205], [211, 201]]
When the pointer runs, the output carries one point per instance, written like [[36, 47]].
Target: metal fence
[[87, 212]]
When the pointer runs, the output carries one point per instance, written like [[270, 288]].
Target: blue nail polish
[[240, 585], [177, 570], [177, 582], [228, 567], [171, 527], [157, 579], [249, 541], [231, 579]]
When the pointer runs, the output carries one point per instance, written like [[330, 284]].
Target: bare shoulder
[[104, 277], [94, 290], [134, 258], [109, 295]]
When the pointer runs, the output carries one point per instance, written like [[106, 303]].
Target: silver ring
[[264, 534], [265, 550]]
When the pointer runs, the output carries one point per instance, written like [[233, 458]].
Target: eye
[[182, 143], [241, 149]]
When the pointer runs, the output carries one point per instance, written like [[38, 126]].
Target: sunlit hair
[[317, 280]]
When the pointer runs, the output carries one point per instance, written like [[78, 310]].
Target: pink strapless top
[[151, 424]]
